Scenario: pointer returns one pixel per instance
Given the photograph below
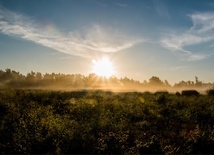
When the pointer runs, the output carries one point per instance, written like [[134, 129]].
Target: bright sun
[[103, 67]]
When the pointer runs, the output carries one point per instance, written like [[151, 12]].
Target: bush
[[210, 92], [88, 122], [190, 93]]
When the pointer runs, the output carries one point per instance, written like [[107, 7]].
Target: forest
[[95, 121], [10, 79]]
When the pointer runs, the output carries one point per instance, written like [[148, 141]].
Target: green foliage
[[98, 122]]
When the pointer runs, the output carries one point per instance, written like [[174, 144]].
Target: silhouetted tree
[[30, 79], [166, 83], [12, 79], [155, 81], [197, 82]]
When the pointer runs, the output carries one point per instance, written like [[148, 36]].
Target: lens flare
[[103, 67]]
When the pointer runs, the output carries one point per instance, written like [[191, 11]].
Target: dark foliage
[[97, 122], [10, 79], [190, 93], [210, 92]]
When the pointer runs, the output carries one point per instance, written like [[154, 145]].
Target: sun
[[103, 67]]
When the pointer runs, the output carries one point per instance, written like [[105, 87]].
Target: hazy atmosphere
[[137, 39], [128, 77]]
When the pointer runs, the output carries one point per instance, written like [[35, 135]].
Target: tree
[[197, 82], [166, 83], [155, 81], [30, 79]]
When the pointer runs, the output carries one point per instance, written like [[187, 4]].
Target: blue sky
[[171, 39]]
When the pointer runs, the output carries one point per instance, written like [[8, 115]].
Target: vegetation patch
[[99, 122]]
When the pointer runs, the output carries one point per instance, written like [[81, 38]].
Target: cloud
[[161, 9], [195, 57], [202, 22], [173, 68], [121, 5], [82, 43], [201, 32]]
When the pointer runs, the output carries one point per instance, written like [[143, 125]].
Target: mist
[[10, 79]]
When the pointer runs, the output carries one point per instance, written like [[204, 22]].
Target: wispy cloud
[[201, 32], [175, 68], [95, 38], [202, 22], [161, 9], [121, 4]]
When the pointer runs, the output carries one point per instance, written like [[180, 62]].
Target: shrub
[[190, 93]]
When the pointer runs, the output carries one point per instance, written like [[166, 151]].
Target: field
[[102, 122]]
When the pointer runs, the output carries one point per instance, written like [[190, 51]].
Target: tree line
[[13, 79]]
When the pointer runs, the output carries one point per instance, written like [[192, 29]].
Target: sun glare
[[103, 67]]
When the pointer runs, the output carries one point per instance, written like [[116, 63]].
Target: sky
[[170, 39]]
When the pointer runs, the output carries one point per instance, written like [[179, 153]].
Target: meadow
[[104, 122]]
